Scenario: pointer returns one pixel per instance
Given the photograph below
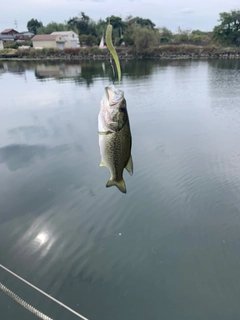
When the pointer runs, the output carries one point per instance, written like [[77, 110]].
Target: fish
[[115, 140]]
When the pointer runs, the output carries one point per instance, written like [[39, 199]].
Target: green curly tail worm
[[112, 50]]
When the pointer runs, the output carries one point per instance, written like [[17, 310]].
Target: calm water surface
[[169, 249]]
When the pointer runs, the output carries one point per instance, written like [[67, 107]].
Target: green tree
[[33, 25], [140, 21], [117, 24], [88, 39], [54, 26], [166, 35], [143, 39], [84, 24], [182, 35], [228, 31], [101, 27]]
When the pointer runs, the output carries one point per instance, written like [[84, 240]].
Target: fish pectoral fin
[[102, 164], [119, 184], [129, 166]]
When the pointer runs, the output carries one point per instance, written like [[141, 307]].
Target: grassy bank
[[182, 51]]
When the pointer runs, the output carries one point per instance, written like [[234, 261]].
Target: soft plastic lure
[[112, 50]]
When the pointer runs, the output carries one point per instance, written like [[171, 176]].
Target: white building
[[48, 41], [71, 38], [1, 45]]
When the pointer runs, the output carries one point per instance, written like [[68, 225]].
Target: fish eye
[[122, 107]]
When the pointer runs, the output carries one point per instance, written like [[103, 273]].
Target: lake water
[[169, 248]]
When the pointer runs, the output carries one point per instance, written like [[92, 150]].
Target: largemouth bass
[[115, 139]]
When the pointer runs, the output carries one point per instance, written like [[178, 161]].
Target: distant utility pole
[[16, 24]]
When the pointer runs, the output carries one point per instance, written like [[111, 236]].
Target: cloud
[[187, 11]]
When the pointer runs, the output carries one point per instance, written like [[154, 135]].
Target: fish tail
[[119, 184]]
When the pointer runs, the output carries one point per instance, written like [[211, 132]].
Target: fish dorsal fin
[[102, 164], [119, 184], [129, 166]]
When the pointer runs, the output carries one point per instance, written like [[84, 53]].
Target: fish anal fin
[[119, 184], [129, 166], [102, 164]]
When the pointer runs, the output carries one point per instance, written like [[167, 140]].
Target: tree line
[[142, 33]]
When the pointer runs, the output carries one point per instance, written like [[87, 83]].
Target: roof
[[26, 32], [8, 30], [44, 37], [63, 33]]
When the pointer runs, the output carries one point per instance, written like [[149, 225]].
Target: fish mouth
[[113, 95]]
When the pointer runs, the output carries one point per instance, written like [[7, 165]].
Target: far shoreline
[[163, 52]]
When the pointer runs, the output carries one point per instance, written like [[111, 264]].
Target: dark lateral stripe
[[105, 133]]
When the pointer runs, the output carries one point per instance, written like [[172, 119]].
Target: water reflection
[[21, 156], [57, 70], [13, 67], [224, 80], [38, 238], [41, 238], [226, 64], [29, 132], [88, 71], [180, 223]]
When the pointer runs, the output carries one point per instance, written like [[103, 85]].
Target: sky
[[187, 14]]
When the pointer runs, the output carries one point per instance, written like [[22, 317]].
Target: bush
[[211, 49], [24, 43], [11, 45], [96, 50], [72, 51], [178, 49], [33, 53], [49, 51], [88, 40]]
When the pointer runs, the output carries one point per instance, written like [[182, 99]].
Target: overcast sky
[[188, 14]]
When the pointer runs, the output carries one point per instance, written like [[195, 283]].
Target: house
[[27, 34], [48, 41], [59, 40], [8, 32], [72, 40], [6, 38], [8, 35], [24, 36]]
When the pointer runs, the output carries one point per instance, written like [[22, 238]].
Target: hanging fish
[[115, 136]]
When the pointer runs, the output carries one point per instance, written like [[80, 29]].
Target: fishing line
[[113, 70], [15, 297]]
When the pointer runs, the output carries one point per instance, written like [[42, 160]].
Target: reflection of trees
[[137, 68], [224, 79], [15, 67], [90, 70], [140, 68], [225, 64], [85, 72]]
